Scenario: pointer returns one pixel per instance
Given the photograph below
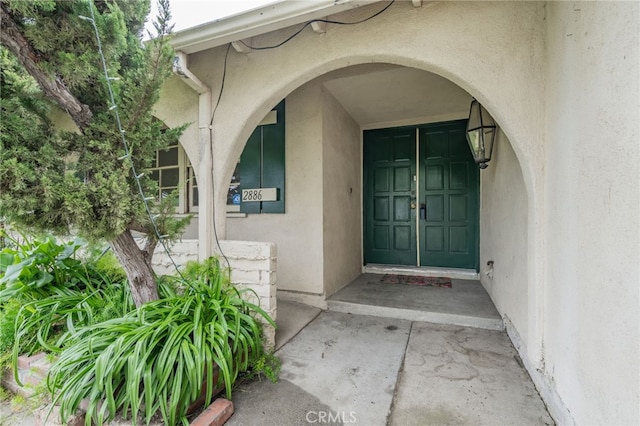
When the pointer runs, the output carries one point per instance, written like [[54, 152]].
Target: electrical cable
[[213, 114], [326, 21], [222, 83], [127, 151], [224, 78]]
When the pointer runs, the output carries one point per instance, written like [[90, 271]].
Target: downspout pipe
[[205, 176]]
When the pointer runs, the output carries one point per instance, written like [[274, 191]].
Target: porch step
[[414, 315], [462, 274], [32, 372]]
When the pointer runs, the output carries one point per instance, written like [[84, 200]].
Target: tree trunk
[[137, 267], [52, 86]]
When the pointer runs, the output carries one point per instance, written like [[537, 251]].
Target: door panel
[[389, 219], [449, 187]]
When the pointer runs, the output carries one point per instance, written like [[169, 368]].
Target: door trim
[[417, 210]]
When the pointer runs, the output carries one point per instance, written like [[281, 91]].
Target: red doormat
[[417, 280]]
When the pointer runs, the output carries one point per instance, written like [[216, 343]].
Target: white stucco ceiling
[[377, 95]]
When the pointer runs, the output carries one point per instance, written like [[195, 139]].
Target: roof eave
[[264, 19]]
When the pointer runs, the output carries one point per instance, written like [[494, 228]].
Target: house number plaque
[[259, 194]]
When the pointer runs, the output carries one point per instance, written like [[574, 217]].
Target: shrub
[[161, 356], [157, 358], [46, 293], [7, 323]]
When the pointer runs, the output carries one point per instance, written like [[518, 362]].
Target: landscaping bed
[[145, 363]]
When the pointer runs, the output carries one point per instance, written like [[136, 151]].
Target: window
[[234, 195], [262, 165], [193, 188], [173, 172]]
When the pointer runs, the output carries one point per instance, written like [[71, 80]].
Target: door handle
[[413, 204], [423, 211]]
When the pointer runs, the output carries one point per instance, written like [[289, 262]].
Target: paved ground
[[340, 368], [356, 369], [15, 415], [464, 376]]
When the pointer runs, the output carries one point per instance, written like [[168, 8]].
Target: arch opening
[[320, 237]]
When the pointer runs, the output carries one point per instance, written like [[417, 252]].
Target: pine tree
[[81, 181]]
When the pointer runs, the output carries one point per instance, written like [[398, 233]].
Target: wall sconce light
[[481, 133]]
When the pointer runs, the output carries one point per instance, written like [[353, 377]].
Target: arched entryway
[[505, 79], [322, 235]]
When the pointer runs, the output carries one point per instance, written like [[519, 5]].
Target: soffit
[[383, 94]]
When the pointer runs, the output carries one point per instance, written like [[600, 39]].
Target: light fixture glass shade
[[481, 134]]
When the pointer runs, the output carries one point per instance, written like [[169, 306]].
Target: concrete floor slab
[[274, 404], [343, 367], [291, 318], [15, 416], [464, 376], [466, 303], [352, 369]]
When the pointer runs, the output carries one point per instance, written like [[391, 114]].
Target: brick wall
[[253, 265]]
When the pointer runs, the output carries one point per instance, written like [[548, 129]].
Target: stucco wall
[[429, 38], [592, 189], [501, 68], [562, 81], [342, 224], [178, 106], [503, 235], [253, 266], [298, 232], [319, 236]]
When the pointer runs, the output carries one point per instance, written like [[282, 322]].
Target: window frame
[[185, 183], [192, 183]]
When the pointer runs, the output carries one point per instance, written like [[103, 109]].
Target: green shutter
[[273, 161], [262, 164], [250, 168]]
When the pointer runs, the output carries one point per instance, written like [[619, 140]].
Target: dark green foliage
[[8, 313], [46, 292], [267, 365], [108, 264], [157, 357], [154, 359], [55, 181]]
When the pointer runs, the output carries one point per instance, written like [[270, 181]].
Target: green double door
[[421, 191]]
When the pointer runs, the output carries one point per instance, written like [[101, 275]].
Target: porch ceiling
[[377, 95]]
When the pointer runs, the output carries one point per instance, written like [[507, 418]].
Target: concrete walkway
[[341, 368], [356, 369]]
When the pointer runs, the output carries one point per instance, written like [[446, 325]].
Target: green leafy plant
[[46, 293], [266, 365], [45, 278], [4, 394], [161, 356], [9, 312], [30, 266]]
